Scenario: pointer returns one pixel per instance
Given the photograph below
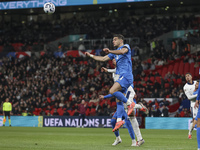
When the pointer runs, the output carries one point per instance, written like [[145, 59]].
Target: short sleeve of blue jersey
[[127, 46], [111, 56]]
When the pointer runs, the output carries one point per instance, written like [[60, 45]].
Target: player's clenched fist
[[106, 50], [101, 97], [87, 54], [104, 69]]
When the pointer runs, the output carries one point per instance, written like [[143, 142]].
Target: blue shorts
[[125, 80], [124, 115]]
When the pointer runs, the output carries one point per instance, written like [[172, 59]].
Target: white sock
[[136, 128], [118, 138], [191, 128], [119, 119], [128, 102], [138, 106]]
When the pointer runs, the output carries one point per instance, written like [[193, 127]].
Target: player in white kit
[[130, 94], [189, 89]]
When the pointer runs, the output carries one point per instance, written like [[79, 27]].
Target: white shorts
[[193, 110], [129, 95]]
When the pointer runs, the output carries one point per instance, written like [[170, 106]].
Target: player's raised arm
[[98, 58], [117, 52], [188, 94]]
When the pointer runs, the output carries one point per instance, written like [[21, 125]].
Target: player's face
[[114, 62], [196, 85], [188, 77], [116, 41]]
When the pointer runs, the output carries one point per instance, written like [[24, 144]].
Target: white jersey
[[189, 90]]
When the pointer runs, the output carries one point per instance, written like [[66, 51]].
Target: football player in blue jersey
[[122, 55]]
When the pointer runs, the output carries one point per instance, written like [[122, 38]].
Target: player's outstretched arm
[[98, 58], [117, 52], [103, 69], [106, 96]]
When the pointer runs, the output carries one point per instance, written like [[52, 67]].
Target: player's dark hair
[[188, 73], [120, 36]]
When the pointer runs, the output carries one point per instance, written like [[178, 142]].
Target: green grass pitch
[[30, 138]]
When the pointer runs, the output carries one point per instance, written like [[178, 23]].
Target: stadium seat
[[179, 81], [152, 79], [192, 69], [166, 85], [93, 112], [87, 113], [181, 67], [52, 111], [176, 66], [186, 68], [196, 72], [170, 68], [158, 79], [60, 111], [164, 71]]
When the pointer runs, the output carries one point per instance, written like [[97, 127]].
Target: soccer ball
[[49, 8]]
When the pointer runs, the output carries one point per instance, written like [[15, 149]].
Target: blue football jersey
[[123, 62]]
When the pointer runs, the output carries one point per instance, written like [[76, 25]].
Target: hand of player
[[103, 69], [87, 54], [101, 97], [106, 50]]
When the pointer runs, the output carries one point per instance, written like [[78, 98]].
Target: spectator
[[164, 111], [55, 113], [76, 113], [82, 111], [66, 113]]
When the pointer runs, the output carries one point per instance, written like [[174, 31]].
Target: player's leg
[[4, 118], [79, 121], [130, 129], [120, 87], [192, 124], [136, 129], [9, 119], [195, 122], [113, 122], [198, 128], [130, 94], [115, 90], [83, 120]]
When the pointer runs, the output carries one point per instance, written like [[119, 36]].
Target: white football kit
[[189, 90]]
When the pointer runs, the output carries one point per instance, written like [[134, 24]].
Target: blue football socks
[[113, 122]]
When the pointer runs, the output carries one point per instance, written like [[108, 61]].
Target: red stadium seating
[[186, 68], [170, 68], [181, 67], [192, 69]]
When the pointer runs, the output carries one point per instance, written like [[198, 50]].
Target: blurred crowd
[[40, 32], [51, 83]]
